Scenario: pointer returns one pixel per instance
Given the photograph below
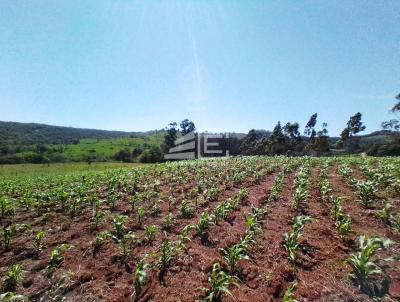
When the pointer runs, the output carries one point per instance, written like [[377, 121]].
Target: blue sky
[[227, 65]]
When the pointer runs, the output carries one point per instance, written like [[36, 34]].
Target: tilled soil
[[321, 270]]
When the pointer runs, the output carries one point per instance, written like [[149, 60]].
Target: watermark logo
[[199, 145]]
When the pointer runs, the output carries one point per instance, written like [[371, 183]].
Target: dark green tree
[[347, 137], [393, 124], [355, 125], [292, 131], [277, 142], [310, 127], [123, 155], [170, 136], [187, 127], [321, 142]]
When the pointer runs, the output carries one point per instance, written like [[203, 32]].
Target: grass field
[[58, 169], [106, 148]]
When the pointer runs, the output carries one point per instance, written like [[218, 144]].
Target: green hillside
[[39, 143]]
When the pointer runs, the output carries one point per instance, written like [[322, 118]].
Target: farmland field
[[34, 170], [237, 229]]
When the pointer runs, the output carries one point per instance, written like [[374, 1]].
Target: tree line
[[287, 139]]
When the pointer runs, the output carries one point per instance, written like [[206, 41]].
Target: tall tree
[[170, 135], [321, 142], [396, 108], [353, 127], [292, 131], [310, 127], [187, 127], [393, 124], [277, 144]]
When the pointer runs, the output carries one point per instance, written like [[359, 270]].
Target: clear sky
[[233, 65]]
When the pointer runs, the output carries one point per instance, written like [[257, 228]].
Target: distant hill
[[40, 143], [32, 133]]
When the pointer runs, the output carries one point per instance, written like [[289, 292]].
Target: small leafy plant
[[183, 237], [187, 211], [119, 222], [291, 240], [7, 236], [220, 282], [14, 275], [232, 255], [364, 267], [385, 214], [56, 255], [366, 191], [288, 296], [203, 225], [38, 242], [140, 278], [150, 231], [100, 240], [167, 255]]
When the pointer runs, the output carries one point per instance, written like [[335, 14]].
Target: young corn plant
[[364, 267], [140, 213], [6, 206], [183, 237], [203, 226], [62, 197], [171, 203], [222, 211], [100, 240], [56, 255], [112, 200], [219, 282], [14, 276], [97, 214], [366, 191], [168, 222], [342, 221], [247, 241], [140, 278], [231, 256], [385, 214], [299, 222], [124, 244], [291, 240], [257, 176], [253, 221], [301, 188], [38, 242], [134, 200], [167, 255], [242, 195], [186, 210], [150, 231], [336, 210], [276, 188], [8, 233], [396, 222], [119, 228], [300, 196], [156, 208], [74, 206], [288, 296], [343, 225], [324, 189], [11, 297]]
